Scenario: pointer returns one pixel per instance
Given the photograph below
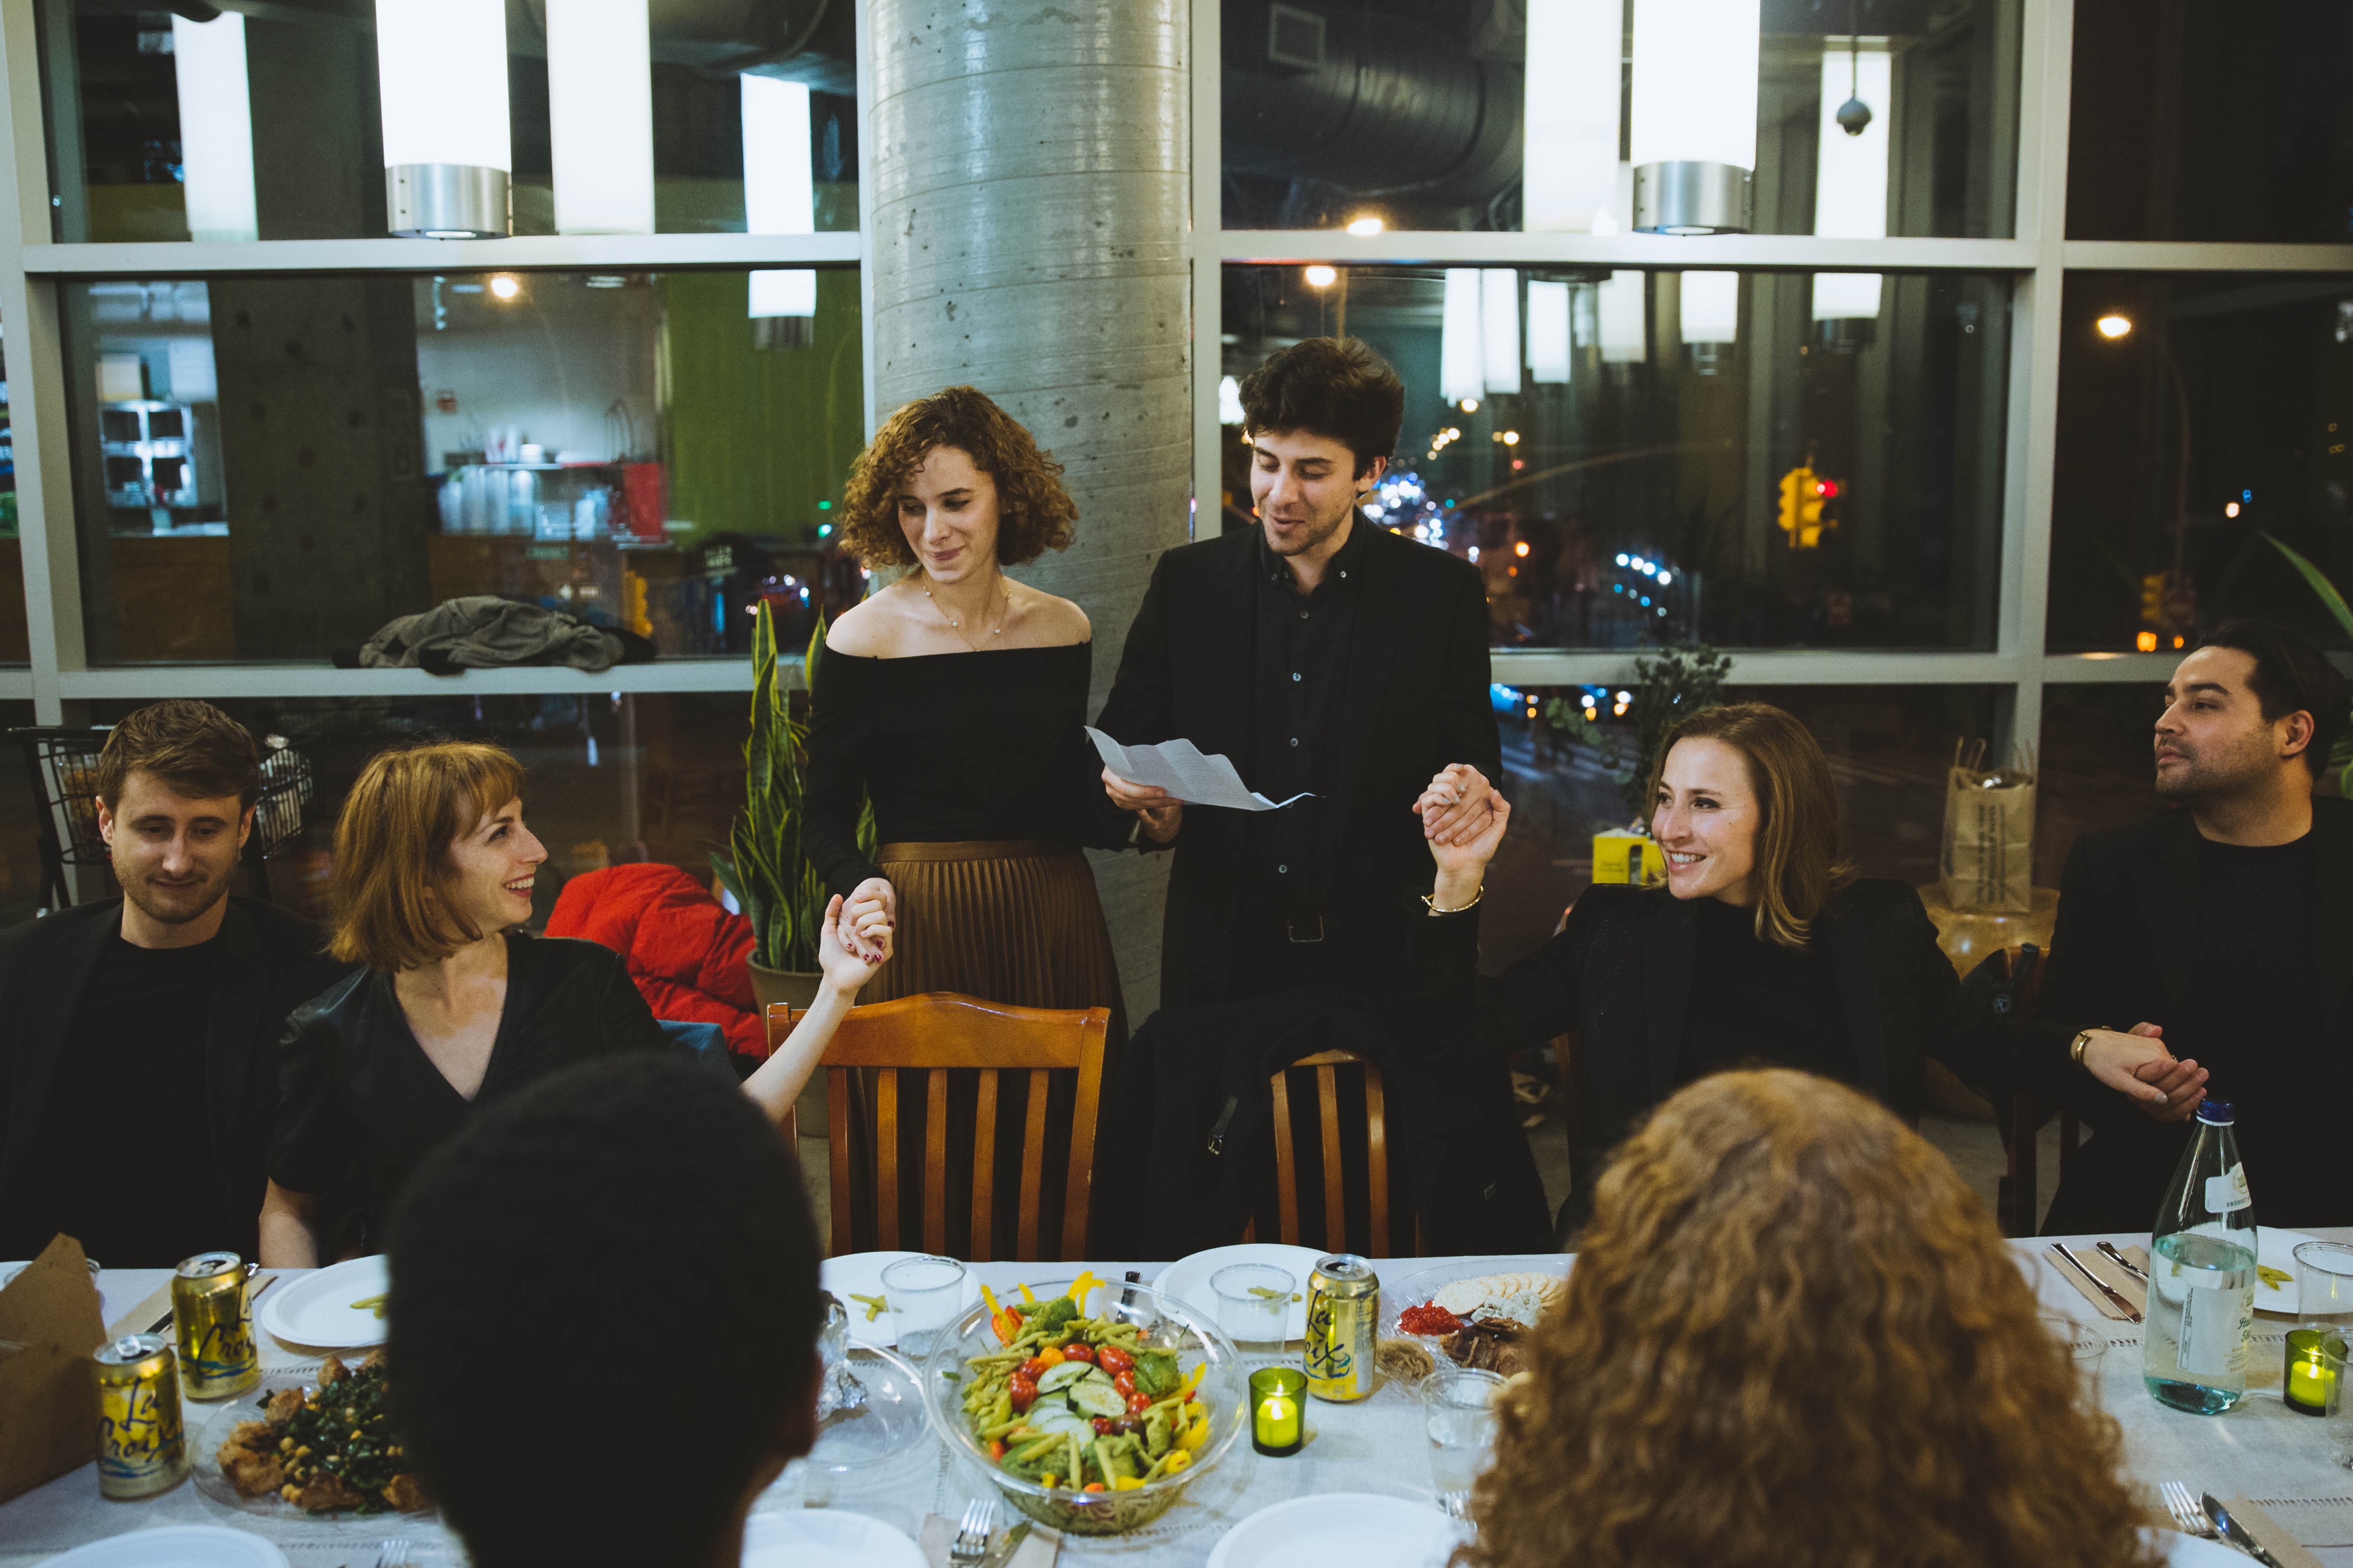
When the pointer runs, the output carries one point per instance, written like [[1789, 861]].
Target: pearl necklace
[[957, 625]]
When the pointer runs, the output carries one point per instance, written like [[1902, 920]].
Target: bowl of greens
[[1091, 1405]]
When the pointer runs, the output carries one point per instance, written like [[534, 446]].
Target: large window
[[273, 466], [1443, 114]]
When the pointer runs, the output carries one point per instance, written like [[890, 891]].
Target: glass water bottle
[[2202, 1287]]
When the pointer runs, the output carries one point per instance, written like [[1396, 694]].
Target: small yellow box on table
[[1622, 855]]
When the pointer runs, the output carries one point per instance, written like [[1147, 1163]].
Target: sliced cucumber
[[1053, 1418], [1096, 1397], [1062, 1376]]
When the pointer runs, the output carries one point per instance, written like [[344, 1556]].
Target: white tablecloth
[[2261, 1450]]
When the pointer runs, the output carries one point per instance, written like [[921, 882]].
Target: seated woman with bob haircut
[[1795, 1336], [1763, 948], [456, 1004]]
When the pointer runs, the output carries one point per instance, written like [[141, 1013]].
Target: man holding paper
[[1319, 657]]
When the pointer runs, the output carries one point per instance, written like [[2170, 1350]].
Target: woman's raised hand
[[1464, 817], [869, 915], [846, 955]]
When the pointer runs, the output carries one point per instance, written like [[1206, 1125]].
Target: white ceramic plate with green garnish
[[856, 1279], [337, 1309]]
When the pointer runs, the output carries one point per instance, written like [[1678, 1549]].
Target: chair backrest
[[934, 1034], [1326, 1066]]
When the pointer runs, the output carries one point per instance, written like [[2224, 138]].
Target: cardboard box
[[1619, 856], [49, 1324]]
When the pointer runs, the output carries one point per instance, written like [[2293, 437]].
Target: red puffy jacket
[[686, 952]]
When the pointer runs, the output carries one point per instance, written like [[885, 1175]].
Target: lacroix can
[[215, 1324], [1344, 1308], [140, 1449]]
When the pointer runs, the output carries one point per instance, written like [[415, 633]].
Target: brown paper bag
[[49, 1324], [1988, 854]]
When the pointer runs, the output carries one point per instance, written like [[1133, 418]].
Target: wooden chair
[[1326, 1065], [933, 1035]]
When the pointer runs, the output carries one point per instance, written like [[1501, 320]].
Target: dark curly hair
[[1333, 387], [1034, 512], [1794, 1336], [631, 1205]]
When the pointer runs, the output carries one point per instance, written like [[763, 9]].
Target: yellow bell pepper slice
[[1193, 1378], [1125, 1484], [1026, 1297], [989, 1296], [1195, 1435], [1178, 1461]]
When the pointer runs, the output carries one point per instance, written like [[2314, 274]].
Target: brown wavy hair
[[394, 879], [1034, 512], [1799, 865], [1795, 1337]]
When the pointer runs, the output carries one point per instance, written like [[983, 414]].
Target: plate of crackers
[[1456, 1314]]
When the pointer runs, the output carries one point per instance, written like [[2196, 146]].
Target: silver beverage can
[[1343, 1310]]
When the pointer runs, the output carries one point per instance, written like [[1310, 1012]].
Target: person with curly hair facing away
[[641, 1206], [1794, 1337], [955, 700]]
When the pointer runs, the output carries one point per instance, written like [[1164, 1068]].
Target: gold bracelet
[[2075, 1050], [1429, 901]]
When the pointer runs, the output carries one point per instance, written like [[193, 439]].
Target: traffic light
[[2152, 600], [1803, 494]]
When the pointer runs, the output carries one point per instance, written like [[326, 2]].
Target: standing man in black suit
[[2209, 950], [139, 1059], [1324, 655]]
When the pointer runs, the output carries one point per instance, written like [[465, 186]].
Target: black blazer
[[270, 964], [1414, 700], [2121, 953], [1618, 975]]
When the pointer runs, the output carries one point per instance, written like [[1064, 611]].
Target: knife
[[1002, 1553], [2102, 1286], [2236, 1532], [2121, 1261], [164, 1321]]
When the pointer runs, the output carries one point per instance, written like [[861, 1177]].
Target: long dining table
[[2260, 1450]]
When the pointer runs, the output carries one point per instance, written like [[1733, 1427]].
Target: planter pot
[[794, 986]]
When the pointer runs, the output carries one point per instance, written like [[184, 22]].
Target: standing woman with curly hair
[[1795, 1337], [955, 700]]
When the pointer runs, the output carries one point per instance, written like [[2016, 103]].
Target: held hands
[[846, 955], [2137, 1065], [1463, 818], [1162, 814], [868, 918]]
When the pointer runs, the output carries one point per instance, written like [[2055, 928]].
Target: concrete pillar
[[1030, 162]]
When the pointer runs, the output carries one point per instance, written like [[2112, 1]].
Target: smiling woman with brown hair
[[1794, 1336]]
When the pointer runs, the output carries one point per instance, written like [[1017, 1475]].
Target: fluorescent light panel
[[441, 73], [600, 102], [1569, 157], [779, 190], [216, 128], [1694, 81]]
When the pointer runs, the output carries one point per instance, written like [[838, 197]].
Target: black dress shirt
[[1300, 660]]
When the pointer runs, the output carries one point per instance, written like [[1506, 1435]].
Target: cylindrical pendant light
[[216, 128], [1548, 356], [1693, 131], [1499, 329], [779, 197], [441, 75], [1621, 308], [1851, 173], [1711, 307], [1461, 376], [600, 110], [1569, 141]]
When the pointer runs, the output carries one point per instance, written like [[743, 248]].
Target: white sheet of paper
[[1178, 767]]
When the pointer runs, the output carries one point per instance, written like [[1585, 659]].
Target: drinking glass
[[2340, 1409], [925, 1294], [1253, 1301], [1458, 1414], [2324, 1285]]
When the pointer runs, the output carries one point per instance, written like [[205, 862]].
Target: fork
[[2182, 1504], [393, 1554], [972, 1538]]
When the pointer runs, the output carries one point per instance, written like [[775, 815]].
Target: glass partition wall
[[1941, 361]]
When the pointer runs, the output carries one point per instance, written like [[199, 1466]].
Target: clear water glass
[[1253, 1301], [2324, 1285], [925, 1295], [1458, 1408], [2340, 1408]]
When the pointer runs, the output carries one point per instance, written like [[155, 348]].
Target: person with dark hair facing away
[[1324, 656], [1763, 947], [138, 1066], [956, 702], [2210, 949], [641, 1205], [456, 1005]]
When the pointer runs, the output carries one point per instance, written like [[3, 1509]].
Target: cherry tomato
[[1125, 1382], [1033, 1368], [1114, 1360], [1137, 1404], [1079, 1350], [1103, 1425], [1022, 1391], [1094, 1485]]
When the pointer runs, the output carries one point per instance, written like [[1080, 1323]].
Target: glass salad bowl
[[1160, 1325]]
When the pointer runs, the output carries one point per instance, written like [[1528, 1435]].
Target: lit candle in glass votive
[[2309, 1385], [1277, 1415]]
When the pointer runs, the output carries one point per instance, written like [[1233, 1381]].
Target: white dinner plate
[[2190, 1552], [2275, 1248], [176, 1546], [316, 1308], [1364, 1530], [825, 1537], [1188, 1278], [861, 1273]]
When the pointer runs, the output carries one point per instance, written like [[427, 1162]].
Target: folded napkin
[[2275, 1537], [1037, 1551], [2101, 1265]]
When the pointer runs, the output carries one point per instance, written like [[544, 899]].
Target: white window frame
[[60, 681]]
